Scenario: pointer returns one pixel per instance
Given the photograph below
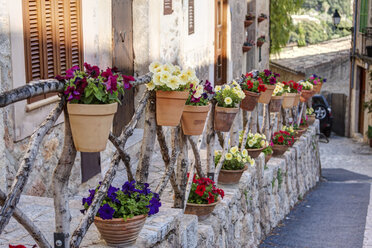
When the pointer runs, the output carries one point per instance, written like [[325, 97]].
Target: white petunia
[[150, 86], [154, 66], [228, 100]]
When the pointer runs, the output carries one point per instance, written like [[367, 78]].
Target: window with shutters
[[363, 16], [53, 38]]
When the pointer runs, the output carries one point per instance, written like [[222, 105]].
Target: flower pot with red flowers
[[92, 97], [317, 82], [197, 107], [123, 212], [261, 40], [228, 97], [234, 164], [268, 151], [282, 140], [269, 79], [203, 197], [291, 90], [277, 98], [307, 91], [252, 89], [172, 88], [255, 143]]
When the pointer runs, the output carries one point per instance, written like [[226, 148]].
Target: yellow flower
[[239, 158], [262, 143], [216, 153], [234, 149], [184, 77], [150, 86], [251, 143], [252, 162], [257, 136], [173, 82], [228, 100], [263, 136], [154, 66], [245, 153], [227, 87], [244, 160], [217, 88], [228, 156], [190, 73], [168, 68]]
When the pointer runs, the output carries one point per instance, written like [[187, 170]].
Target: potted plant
[[369, 135], [123, 212], [317, 82], [204, 196], [307, 91], [298, 131], [261, 40], [255, 143], [268, 151], [290, 93], [276, 98], [310, 114], [268, 78], [248, 45], [303, 123], [282, 140], [197, 107], [296, 89], [252, 89], [249, 19], [262, 17], [228, 97], [233, 166], [291, 130], [172, 90], [92, 97]]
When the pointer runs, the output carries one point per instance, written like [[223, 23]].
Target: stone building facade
[[154, 35]]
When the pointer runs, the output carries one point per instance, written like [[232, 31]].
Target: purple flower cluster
[[269, 77], [206, 96]]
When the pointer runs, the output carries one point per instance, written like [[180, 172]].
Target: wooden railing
[[174, 155]]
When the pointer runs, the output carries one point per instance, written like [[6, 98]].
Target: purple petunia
[[70, 73], [106, 212], [111, 83], [267, 73], [272, 80], [111, 193], [154, 206]]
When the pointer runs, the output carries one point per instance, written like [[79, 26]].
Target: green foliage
[[369, 132], [281, 22], [268, 150]]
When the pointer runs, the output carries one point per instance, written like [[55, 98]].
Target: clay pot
[[318, 87], [275, 103], [246, 48], [267, 158], [224, 118], [288, 100], [259, 43], [117, 232], [260, 19], [265, 97], [193, 119], [169, 107], [250, 100], [311, 119], [296, 100], [201, 210], [247, 23], [91, 125], [279, 149], [306, 95], [254, 153], [300, 132], [230, 176]]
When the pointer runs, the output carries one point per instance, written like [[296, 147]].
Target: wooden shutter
[[363, 20], [53, 38]]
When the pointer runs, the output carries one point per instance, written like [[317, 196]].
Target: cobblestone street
[[338, 211]]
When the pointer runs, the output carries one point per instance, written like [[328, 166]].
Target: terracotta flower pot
[[261, 19], [300, 132], [91, 125], [306, 95], [318, 87], [279, 149], [169, 107], [193, 119], [117, 232], [201, 210], [247, 23], [296, 100], [288, 100], [254, 153], [231, 176], [259, 43], [275, 103], [267, 158], [246, 48], [250, 100], [224, 118], [311, 119], [265, 97]]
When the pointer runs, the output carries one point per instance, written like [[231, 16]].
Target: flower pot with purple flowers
[[268, 78], [123, 212], [92, 97], [317, 82]]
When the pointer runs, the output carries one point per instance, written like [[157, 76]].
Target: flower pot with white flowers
[[172, 90], [268, 78], [234, 164], [276, 98], [255, 144], [197, 107], [123, 212], [307, 91], [291, 90], [228, 97], [252, 89], [310, 114], [282, 140], [93, 98]]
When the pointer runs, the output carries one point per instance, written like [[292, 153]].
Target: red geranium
[[200, 189], [204, 191], [283, 138], [253, 84]]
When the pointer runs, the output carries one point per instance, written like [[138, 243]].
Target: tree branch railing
[[176, 163]]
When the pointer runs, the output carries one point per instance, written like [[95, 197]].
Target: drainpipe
[[353, 61]]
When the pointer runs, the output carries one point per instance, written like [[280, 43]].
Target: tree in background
[[281, 22]]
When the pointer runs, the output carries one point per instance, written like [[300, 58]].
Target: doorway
[[220, 58]]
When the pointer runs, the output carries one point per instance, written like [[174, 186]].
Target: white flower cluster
[[170, 77], [256, 141], [229, 93], [235, 154], [279, 89], [306, 85]]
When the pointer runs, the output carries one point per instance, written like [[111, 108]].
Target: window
[[363, 21], [52, 38]]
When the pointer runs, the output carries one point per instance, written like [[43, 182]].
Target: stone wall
[[248, 211]]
